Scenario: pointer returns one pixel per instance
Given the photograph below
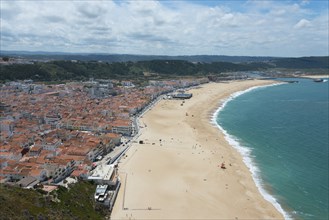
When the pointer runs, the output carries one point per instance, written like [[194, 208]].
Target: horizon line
[[36, 52]]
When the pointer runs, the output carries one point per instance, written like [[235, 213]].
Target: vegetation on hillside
[[61, 70], [75, 203], [302, 63], [68, 70]]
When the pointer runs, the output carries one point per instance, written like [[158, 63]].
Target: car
[[99, 158], [101, 198]]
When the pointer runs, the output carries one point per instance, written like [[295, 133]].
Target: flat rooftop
[[102, 172]]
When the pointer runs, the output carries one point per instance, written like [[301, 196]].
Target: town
[[53, 135]]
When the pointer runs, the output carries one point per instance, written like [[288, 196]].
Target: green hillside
[[302, 63], [67, 70], [83, 70], [75, 203]]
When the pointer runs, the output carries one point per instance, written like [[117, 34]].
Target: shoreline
[[175, 173], [246, 152]]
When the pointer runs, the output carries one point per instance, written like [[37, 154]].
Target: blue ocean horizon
[[282, 133]]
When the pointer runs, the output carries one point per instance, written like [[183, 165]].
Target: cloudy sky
[[252, 27]]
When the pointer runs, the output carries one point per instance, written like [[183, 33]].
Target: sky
[[283, 28]]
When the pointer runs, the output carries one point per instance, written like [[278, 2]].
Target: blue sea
[[282, 133]]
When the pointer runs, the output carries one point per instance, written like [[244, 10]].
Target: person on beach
[[223, 166]]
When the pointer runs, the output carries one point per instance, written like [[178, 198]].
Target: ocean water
[[282, 133]]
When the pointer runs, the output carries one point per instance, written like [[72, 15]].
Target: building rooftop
[[102, 172]]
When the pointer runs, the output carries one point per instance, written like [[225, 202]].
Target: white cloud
[[302, 24], [155, 27]]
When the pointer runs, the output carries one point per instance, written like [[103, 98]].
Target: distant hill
[[82, 70], [302, 63], [39, 55], [61, 66]]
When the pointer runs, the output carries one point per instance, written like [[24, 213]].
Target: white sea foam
[[246, 152]]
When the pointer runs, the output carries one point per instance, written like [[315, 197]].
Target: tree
[[6, 59]]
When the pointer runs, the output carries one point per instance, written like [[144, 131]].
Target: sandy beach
[[176, 173], [316, 76]]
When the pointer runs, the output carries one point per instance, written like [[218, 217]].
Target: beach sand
[[316, 76], [176, 173]]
